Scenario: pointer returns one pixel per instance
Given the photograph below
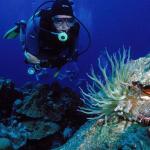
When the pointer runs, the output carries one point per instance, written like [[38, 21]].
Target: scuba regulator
[[62, 36]]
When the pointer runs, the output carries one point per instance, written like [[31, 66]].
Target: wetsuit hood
[[62, 7]]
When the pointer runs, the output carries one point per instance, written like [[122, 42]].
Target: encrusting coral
[[123, 91]]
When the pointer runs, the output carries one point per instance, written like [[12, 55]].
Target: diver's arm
[[34, 60], [31, 58], [31, 46]]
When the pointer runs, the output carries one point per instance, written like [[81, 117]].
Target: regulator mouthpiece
[[62, 37]]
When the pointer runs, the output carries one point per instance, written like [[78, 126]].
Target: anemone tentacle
[[102, 97]]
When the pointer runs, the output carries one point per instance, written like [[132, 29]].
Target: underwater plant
[[119, 91]]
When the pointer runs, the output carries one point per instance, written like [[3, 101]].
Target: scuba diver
[[50, 36]]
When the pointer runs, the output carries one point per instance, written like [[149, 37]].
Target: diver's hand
[[31, 58]]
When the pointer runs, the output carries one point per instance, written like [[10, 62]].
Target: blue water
[[112, 24]]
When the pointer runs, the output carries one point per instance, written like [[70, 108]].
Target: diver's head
[[63, 22], [62, 15]]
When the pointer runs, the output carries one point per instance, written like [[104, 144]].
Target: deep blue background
[[112, 24]]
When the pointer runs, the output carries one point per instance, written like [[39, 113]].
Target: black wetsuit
[[48, 47]]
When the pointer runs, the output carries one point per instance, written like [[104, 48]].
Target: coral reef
[[16, 134], [39, 116], [118, 106], [40, 129], [123, 92], [113, 135], [8, 94], [5, 144]]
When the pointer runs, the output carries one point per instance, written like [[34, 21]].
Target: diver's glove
[[41, 64]]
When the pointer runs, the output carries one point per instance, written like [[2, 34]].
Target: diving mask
[[60, 21]]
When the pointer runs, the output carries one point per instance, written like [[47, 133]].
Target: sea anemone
[[114, 93]]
